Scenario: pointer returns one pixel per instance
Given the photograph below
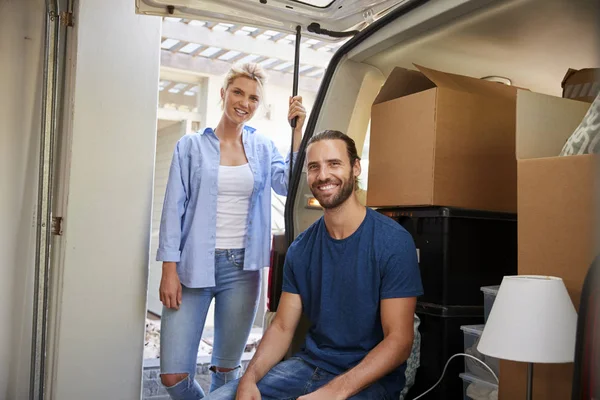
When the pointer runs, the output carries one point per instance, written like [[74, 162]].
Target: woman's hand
[[170, 286], [297, 110]]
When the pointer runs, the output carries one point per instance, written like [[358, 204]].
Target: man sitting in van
[[354, 273]]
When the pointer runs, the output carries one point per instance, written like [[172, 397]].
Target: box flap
[[574, 76], [583, 84], [570, 72], [402, 82], [466, 83], [544, 123]]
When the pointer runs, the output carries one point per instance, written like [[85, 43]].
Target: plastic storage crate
[[472, 334], [441, 337], [475, 388], [489, 296]]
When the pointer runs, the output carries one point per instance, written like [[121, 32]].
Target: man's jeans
[[293, 378]]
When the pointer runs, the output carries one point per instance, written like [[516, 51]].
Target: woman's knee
[[223, 375], [220, 369], [172, 379]]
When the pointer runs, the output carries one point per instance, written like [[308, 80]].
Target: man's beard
[[339, 198]]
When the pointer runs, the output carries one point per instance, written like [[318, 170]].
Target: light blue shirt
[[189, 216]]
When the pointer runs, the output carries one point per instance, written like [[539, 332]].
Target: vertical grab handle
[[296, 69], [294, 93]]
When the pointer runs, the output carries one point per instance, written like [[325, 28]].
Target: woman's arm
[[169, 242], [176, 197]]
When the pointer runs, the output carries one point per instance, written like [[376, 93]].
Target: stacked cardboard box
[[443, 139], [557, 219], [448, 140]]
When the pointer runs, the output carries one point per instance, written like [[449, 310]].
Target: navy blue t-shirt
[[341, 283]]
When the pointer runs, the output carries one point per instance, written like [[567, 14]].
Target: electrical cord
[[446, 366]]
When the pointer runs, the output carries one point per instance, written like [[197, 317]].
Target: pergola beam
[[245, 44], [209, 66]]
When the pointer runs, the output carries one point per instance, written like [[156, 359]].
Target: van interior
[[528, 44], [531, 43]]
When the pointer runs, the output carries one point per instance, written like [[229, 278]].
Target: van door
[[278, 15]]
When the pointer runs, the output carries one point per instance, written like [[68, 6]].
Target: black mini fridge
[[459, 251]]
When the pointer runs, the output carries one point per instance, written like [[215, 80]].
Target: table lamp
[[532, 320]]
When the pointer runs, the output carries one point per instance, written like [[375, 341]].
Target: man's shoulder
[[389, 237], [386, 228], [306, 238]]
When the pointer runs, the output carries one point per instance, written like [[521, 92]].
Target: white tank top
[[235, 185]]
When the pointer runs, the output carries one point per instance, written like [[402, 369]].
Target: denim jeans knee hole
[[176, 382], [226, 376]]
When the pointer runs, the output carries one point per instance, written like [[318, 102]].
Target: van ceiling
[[531, 42]]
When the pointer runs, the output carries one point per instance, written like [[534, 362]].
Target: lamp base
[[530, 381]]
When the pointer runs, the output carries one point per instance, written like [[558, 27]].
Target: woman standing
[[215, 234]]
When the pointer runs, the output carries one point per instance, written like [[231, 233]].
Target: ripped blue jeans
[[236, 298], [294, 378]]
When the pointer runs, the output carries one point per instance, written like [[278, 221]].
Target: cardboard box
[[443, 139], [583, 84], [557, 220]]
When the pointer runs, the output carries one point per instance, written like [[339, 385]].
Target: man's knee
[[172, 379]]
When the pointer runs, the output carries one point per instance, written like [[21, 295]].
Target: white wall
[[107, 217], [21, 41]]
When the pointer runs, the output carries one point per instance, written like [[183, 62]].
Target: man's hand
[[325, 393], [247, 391]]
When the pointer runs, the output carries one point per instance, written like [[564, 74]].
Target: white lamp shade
[[532, 320]]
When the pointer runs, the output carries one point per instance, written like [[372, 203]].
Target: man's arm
[[397, 320], [275, 342]]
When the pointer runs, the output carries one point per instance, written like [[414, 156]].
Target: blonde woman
[[215, 233]]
